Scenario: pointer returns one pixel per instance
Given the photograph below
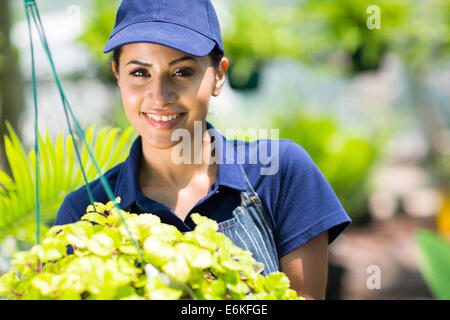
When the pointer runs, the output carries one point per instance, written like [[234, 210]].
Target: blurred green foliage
[[423, 37], [342, 30], [99, 24], [258, 31], [336, 34], [256, 34], [435, 262]]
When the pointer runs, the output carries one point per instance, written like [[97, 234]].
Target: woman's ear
[[220, 76], [115, 71]]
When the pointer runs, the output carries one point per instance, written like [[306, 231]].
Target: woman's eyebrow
[[182, 59], [144, 64]]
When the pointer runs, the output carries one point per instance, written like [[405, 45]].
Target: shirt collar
[[228, 174]]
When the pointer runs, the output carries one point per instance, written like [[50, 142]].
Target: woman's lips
[[157, 119]]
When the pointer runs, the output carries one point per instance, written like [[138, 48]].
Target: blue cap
[[190, 26]]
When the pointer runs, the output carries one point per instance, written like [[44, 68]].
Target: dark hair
[[215, 54], [115, 57]]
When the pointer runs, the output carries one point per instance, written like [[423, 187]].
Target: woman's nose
[[161, 92]]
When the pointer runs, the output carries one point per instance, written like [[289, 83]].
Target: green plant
[[435, 262], [202, 264], [60, 174]]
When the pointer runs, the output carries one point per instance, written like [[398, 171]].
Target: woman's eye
[[139, 73], [143, 73], [183, 73]]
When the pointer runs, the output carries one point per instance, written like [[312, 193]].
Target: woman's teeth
[[164, 118]]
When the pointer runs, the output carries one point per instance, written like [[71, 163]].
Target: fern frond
[[60, 174]]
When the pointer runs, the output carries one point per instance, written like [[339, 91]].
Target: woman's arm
[[307, 267]]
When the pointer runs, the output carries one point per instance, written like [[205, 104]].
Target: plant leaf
[[120, 149], [435, 262], [70, 157], [17, 169], [103, 158], [5, 181], [96, 150]]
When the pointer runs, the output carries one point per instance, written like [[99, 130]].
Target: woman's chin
[[161, 142]]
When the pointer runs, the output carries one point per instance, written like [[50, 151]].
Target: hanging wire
[[32, 10], [36, 132], [35, 13]]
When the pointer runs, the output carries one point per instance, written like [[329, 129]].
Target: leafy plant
[[435, 262], [60, 174], [202, 264]]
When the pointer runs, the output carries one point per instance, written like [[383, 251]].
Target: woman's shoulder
[[281, 154], [271, 163]]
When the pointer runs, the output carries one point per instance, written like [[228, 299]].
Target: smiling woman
[[168, 59], [164, 89], [157, 82]]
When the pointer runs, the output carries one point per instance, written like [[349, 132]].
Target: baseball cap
[[190, 26]]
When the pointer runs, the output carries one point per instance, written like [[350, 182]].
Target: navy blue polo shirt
[[294, 192]]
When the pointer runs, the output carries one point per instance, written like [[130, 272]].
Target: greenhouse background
[[363, 86]]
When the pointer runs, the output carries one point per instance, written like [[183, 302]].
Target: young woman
[[168, 59]]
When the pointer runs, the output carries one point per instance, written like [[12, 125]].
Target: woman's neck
[[165, 167]]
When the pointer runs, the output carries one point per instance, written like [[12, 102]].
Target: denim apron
[[251, 229]]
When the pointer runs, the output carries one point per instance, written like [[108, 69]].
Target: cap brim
[[171, 35]]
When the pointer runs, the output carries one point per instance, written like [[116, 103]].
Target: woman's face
[[158, 83]]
